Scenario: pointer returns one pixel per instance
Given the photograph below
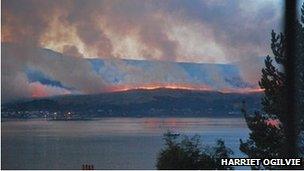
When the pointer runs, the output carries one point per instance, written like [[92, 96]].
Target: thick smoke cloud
[[73, 73], [25, 21], [172, 30], [70, 50], [82, 17], [239, 28]]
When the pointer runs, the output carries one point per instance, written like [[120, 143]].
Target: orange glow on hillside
[[180, 86], [153, 86], [40, 90], [241, 90]]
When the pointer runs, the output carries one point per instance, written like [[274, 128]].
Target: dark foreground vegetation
[[268, 126], [188, 153], [268, 137]]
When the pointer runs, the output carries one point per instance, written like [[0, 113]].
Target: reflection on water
[[109, 143], [121, 126]]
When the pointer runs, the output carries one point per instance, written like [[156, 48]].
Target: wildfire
[[241, 90], [180, 86], [40, 90], [153, 86]]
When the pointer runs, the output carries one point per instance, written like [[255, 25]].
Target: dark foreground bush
[[188, 153]]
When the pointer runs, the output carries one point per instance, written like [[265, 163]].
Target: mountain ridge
[[138, 103]]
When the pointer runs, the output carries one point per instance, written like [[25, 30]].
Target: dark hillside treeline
[[141, 103]]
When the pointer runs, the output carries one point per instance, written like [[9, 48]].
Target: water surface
[[108, 143]]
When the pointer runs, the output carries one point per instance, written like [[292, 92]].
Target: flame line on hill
[[180, 86]]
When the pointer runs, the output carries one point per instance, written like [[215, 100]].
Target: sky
[[199, 31]]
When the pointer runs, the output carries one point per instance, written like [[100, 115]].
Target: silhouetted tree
[[187, 153], [220, 151], [299, 77], [267, 138]]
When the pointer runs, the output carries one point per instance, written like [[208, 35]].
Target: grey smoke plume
[[71, 72], [172, 30], [240, 28]]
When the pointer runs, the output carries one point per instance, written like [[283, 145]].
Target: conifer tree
[[267, 136]]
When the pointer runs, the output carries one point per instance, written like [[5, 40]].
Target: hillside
[[136, 103]]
